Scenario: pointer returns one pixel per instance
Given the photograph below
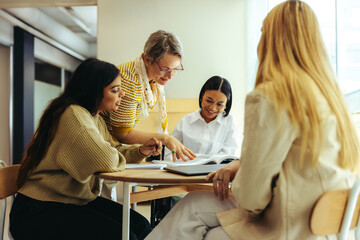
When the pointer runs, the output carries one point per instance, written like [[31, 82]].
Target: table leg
[[133, 206], [126, 211]]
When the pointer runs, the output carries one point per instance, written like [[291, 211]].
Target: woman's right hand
[[177, 149], [222, 177], [151, 147]]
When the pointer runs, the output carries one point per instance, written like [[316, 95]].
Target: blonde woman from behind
[[299, 142]]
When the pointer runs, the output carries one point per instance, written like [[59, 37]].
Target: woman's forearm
[[138, 137], [177, 148]]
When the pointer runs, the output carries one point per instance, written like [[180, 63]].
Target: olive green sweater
[[81, 147]]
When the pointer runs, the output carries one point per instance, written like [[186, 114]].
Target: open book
[[201, 159]]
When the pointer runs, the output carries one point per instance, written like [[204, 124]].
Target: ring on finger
[[220, 179], [173, 152]]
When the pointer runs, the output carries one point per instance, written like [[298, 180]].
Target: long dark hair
[[219, 84], [86, 89]]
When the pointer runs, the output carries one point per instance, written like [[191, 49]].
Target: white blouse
[[218, 137]]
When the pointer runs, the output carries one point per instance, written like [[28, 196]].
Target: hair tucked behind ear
[[85, 88]]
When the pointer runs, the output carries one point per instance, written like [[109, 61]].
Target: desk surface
[[151, 176]]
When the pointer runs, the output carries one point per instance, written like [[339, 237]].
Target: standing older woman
[[143, 81], [299, 142]]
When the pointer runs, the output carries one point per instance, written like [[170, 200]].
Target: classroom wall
[[4, 103], [212, 32], [6, 39]]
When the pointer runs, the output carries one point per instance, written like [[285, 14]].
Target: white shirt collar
[[197, 117]]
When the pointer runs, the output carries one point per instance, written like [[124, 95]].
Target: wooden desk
[[151, 177]]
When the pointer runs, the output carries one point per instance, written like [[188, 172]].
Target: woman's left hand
[[151, 147], [222, 177]]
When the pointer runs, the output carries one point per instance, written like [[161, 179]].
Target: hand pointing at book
[[178, 150]]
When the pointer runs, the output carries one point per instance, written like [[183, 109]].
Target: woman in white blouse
[[211, 130]]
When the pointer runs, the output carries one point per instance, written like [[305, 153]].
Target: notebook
[[145, 166], [194, 169]]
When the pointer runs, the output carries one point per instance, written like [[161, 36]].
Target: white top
[[218, 137]]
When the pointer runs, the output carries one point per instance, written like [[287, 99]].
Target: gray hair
[[161, 42]]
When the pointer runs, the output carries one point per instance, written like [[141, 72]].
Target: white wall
[[212, 32]]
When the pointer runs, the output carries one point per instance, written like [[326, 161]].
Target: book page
[[200, 160], [180, 162], [218, 158]]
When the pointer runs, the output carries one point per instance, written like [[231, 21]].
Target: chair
[[8, 187], [336, 212]]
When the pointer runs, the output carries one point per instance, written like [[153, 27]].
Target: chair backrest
[[8, 178], [336, 212], [8, 187]]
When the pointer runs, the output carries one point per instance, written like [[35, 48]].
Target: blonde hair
[[293, 69]]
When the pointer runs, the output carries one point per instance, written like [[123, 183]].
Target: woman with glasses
[[299, 142], [143, 80]]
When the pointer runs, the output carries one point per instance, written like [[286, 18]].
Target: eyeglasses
[[167, 70]]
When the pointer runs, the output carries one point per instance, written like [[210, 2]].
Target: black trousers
[[99, 219]]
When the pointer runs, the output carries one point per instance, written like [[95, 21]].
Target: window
[[340, 26], [349, 51], [48, 84]]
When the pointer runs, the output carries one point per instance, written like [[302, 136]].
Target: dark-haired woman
[[211, 130], [58, 191]]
